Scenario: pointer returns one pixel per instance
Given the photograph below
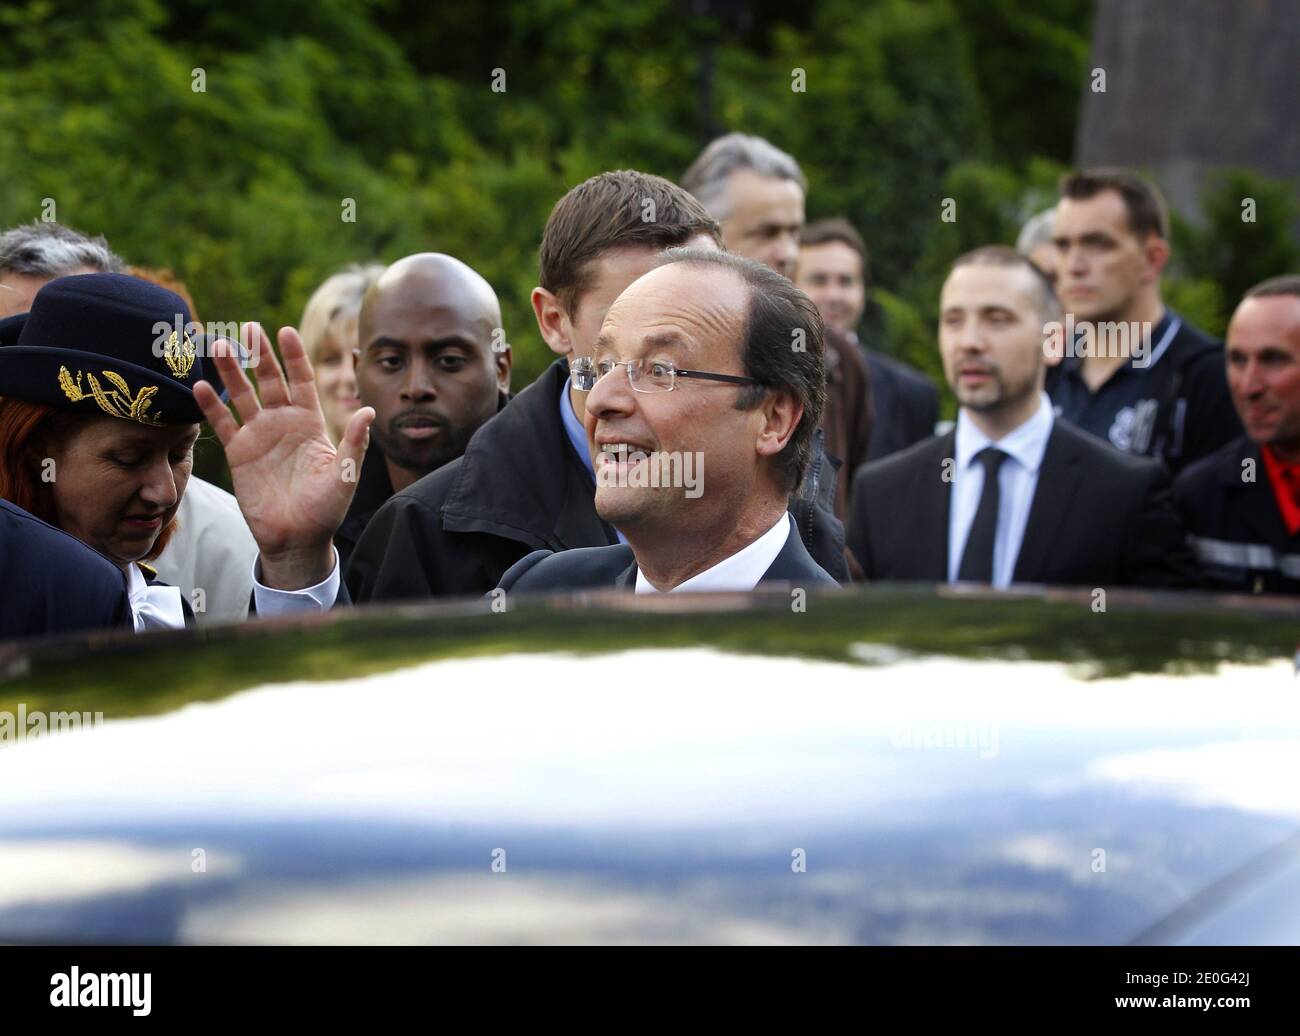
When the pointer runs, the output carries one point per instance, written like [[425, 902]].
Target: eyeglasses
[[642, 375]]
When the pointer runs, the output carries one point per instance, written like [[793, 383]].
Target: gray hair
[[49, 250], [707, 177], [1036, 231]]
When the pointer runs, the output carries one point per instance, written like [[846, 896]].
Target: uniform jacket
[[53, 582], [1234, 525]]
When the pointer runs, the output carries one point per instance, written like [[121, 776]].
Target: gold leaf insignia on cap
[[179, 354], [118, 401]]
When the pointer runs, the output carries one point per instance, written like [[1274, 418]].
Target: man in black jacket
[[1013, 494], [526, 481], [433, 362], [693, 373], [1242, 503], [1136, 374], [55, 583]]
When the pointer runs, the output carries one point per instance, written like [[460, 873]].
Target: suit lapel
[[626, 580], [792, 564], [1058, 478]]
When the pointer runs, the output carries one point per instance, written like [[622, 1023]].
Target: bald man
[[433, 362]]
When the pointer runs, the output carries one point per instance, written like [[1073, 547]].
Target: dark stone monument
[[1192, 86]]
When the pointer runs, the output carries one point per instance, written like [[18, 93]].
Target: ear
[[781, 415], [503, 359], [1156, 252], [552, 321]]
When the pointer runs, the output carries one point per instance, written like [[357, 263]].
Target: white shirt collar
[[153, 607], [1025, 444], [741, 571]]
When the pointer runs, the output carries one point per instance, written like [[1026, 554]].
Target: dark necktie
[[977, 558]]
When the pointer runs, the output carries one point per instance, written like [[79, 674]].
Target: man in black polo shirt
[[1241, 504], [1135, 373]]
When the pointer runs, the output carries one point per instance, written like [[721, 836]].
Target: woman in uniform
[[98, 422]]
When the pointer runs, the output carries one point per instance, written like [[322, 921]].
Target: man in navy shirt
[[1135, 373]]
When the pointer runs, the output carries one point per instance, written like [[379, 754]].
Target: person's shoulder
[[1199, 476], [30, 538], [906, 462], [1194, 350], [579, 568], [1106, 467], [1074, 439]]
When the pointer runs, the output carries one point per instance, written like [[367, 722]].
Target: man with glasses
[[526, 480], [709, 364], [751, 344]]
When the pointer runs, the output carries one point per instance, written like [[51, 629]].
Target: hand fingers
[[270, 380], [242, 396], [215, 412], [302, 379], [356, 437]]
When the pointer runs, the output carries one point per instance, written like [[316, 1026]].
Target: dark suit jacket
[[1099, 517], [906, 405], [593, 567], [53, 582]]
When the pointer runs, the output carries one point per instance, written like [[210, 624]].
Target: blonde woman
[[329, 333]]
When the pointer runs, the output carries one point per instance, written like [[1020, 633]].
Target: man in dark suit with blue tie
[[1013, 494], [709, 366]]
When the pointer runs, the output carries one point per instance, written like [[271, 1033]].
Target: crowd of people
[[711, 420]]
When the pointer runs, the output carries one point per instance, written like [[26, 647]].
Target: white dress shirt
[[741, 571], [319, 598], [153, 607], [1017, 481]]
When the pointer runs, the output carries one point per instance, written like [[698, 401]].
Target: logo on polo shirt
[[1134, 426]]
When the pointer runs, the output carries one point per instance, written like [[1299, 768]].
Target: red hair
[[27, 432]]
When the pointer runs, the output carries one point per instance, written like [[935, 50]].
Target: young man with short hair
[[1013, 494], [1137, 374]]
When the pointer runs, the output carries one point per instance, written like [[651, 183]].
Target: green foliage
[[240, 188], [1248, 234]]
